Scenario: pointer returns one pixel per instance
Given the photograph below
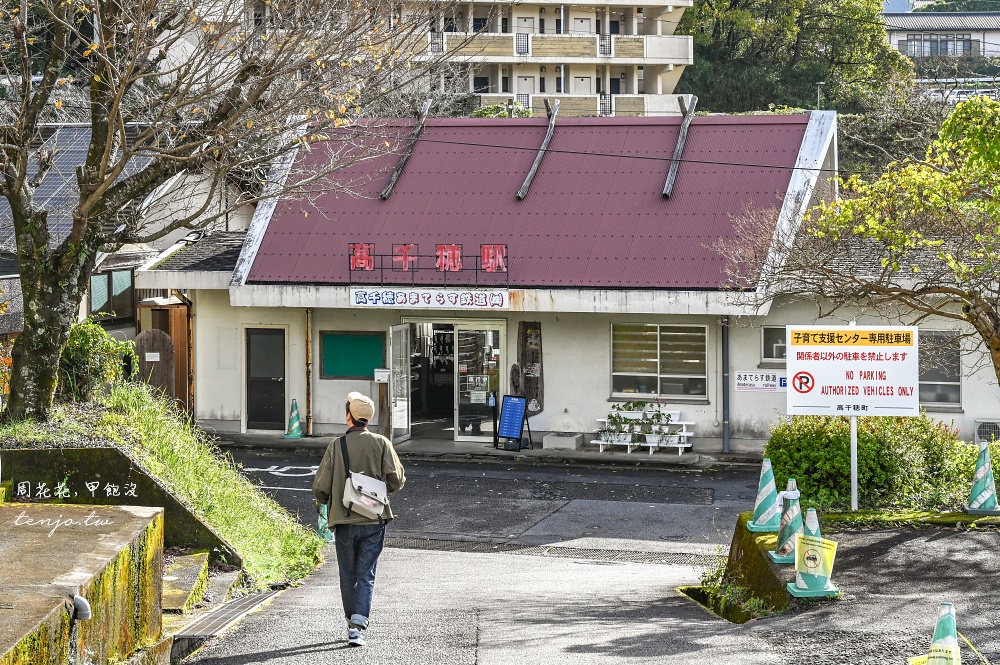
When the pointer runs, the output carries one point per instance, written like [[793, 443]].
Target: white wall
[[576, 366]]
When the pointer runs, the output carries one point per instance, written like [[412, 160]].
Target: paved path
[[448, 607]]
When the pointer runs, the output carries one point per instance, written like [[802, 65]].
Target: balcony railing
[[673, 49], [594, 105]]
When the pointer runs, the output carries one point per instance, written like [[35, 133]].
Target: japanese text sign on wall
[[406, 298], [853, 370], [447, 257], [760, 381]]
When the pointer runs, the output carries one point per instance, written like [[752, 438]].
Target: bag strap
[[343, 452]]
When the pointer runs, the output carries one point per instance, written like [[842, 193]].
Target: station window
[[772, 339], [112, 296], [940, 368], [658, 360]]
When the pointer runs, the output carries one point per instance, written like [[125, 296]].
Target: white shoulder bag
[[363, 494]]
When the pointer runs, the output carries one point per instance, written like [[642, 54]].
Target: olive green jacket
[[370, 454]]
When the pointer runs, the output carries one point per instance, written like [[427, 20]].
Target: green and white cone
[[791, 524], [807, 585], [766, 512], [294, 426], [944, 646], [983, 497]]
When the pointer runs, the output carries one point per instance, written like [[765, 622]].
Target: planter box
[[560, 442], [631, 415], [615, 437], [663, 439]]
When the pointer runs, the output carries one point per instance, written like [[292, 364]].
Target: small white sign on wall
[[761, 381], [153, 357], [381, 375]]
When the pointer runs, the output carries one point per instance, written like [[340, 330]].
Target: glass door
[[399, 382], [478, 363]]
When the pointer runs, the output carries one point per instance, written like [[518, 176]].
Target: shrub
[[902, 462], [91, 358]]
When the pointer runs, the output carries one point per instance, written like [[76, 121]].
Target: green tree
[[752, 53], [921, 240]]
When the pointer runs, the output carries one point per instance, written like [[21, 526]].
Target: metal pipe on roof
[[523, 192], [675, 161], [425, 107]]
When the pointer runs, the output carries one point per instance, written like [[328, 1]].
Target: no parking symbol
[[803, 382]]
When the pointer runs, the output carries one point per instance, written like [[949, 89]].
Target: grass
[[885, 519], [163, 440]]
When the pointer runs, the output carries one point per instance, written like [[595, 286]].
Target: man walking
[[359, 539]]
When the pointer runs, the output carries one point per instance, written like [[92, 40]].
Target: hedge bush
[[913, 463]]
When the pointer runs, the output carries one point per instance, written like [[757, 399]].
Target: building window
[[505, 24], [931, 44], [112, 296], [351, 355], [541, 84], [541, 26], [940, 368], [658, 360], [772, 344], [558, 26], [505, 84], [558, 84], [479, 24]]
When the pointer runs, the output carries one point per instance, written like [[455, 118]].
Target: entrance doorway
[[454, 366], [265, 378]]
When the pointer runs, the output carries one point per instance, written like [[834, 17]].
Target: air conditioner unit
[[987, 430]]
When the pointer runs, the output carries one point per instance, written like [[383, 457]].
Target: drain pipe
[[725, 384], [309, 371]]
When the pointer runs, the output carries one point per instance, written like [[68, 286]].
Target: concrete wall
[[576, 348]]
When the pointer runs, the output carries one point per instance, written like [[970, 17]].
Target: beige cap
[[362, 407]]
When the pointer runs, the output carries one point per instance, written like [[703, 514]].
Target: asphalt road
[[528, 606], [621, 508]]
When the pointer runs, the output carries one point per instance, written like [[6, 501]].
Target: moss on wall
[[749, 565], [6, 489], [49, 645], [125, 600]]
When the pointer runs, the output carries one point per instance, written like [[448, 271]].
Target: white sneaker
[[356, 637]]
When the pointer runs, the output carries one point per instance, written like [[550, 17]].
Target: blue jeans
[[358, 549]]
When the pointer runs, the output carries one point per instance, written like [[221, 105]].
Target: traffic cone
[[766, 512], [791, 524], [944, 646], [983, 498], [811, 525], [812, 585], [294, 426]]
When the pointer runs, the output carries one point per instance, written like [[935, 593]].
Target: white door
[[399, 382], [525, 25], [525, 85], [479, 359], [581, 85], [581, 26]]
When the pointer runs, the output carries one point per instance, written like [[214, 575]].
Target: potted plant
[[630, 410], [617, 430], [658, 430]]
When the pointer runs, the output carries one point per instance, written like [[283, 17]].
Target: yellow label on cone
[[917, 660], [814, 555], [943, 654]]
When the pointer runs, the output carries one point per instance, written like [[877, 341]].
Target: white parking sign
[[852, 370]]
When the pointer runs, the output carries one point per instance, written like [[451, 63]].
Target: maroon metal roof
[[594, 216]]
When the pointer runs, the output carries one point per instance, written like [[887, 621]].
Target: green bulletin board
[[353, 355]]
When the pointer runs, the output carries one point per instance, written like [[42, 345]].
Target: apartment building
[[929, 34], [608, 58]]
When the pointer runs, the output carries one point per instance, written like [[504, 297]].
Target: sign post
[[852, 371]]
